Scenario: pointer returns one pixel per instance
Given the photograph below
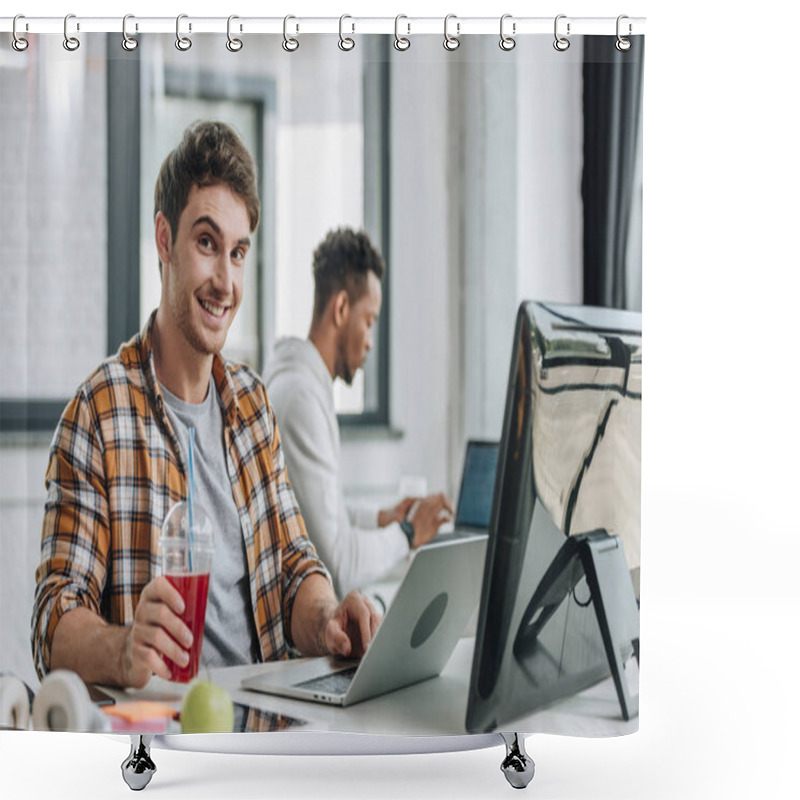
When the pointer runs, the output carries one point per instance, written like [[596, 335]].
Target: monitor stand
[[599, 558]]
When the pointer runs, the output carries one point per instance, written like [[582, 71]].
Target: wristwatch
[[408, 529]]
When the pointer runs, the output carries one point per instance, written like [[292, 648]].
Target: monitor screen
[[477, 486], [569, 464]]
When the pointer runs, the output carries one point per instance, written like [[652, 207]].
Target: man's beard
[[343, 370]]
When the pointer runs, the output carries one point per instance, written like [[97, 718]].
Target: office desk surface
[[433, 707]]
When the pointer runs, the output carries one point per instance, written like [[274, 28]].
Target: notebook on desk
[[474, 507], [413, 642]]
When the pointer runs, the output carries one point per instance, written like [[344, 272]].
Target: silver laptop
[[413, 642], [474, 507]]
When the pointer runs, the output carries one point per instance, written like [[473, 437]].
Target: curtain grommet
[[451, 42], [71, 43], [346, 43], [561, 43], [183, 43], [289, 44], [233, 44], [19, 43], [129, 43], [401, 43], [507, 43], [622, 44]]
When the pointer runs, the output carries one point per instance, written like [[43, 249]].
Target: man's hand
[[125, 656], [349, 629], [427, 515], [157, 631], [387, 516]]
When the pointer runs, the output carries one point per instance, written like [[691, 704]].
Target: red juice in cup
[[186, 551], [193, 588]]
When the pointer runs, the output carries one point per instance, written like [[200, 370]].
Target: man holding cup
[[119, 462]]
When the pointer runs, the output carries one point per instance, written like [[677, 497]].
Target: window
[[320, 141], [52, 230], [319, 136]]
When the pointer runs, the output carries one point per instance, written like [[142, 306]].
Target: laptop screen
[[477, 485]]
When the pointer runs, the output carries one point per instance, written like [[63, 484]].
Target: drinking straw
[[191, 494]]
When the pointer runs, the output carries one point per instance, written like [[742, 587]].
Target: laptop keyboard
[[337, 683]]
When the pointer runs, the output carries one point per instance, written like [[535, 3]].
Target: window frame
[[35, 416], [38, 415], [377, 223]]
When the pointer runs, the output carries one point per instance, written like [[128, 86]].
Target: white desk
[[436, 707]]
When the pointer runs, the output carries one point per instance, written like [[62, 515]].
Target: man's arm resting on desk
[[117, 655], [321, 626]]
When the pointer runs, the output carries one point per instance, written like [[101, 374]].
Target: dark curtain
[[612, 101]]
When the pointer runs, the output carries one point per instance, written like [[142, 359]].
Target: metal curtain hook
[[128, 42], [507, 42], [622, 44], [561, 43], [451, 42], [183, 43], [19, 43], [290, 44], [401, 42], [233, 44], [71, 43], [346, 43]]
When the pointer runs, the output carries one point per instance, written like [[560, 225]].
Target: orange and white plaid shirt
[[115, 470]]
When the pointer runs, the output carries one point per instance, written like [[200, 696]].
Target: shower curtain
[[489, 171]]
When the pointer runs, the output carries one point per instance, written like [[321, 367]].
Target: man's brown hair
[[343, 260], [210, 153]]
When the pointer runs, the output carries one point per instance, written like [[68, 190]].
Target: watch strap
[[408, 529]]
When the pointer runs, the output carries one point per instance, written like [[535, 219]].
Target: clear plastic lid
[[186, 548]]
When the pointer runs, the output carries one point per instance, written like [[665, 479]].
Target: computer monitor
[[569, 466]]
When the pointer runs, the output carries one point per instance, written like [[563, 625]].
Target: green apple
[[206, 708]]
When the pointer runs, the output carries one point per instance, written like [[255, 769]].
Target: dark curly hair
[[210, 153], [342, 261]]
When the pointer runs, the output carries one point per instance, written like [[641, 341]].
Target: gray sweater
[[347, 539]]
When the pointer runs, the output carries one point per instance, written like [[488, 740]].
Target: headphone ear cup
[[63, 704], [16, 699]]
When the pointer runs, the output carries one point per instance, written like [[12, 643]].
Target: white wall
[[486, 211], [22, 497]]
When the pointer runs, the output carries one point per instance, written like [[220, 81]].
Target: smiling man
[[118, 463]]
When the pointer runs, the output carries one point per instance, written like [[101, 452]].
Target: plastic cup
[[186, 563]]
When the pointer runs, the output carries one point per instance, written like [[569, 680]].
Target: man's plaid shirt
[[115, 470]]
